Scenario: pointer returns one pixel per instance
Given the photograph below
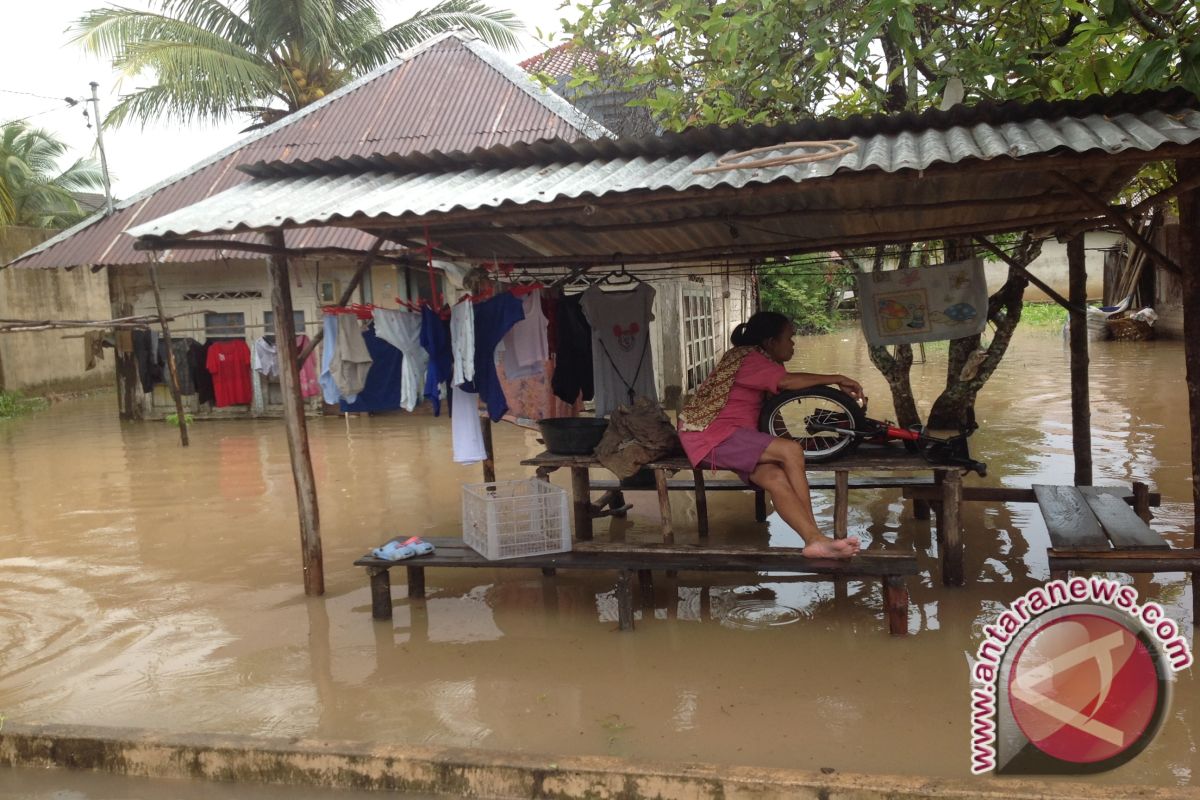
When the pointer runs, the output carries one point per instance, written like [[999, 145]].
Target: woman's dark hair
[[760, 327]]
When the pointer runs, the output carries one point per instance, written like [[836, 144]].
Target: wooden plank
[[664, 506], [864, 459], [581, 501], [1184, 560], [1070, 521], [1000, 494], [735, 485], [1123, 527], [684, 557]]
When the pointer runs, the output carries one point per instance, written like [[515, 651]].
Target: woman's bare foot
[[832, 548]]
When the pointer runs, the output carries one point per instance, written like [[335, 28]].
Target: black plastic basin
[[572, 436]]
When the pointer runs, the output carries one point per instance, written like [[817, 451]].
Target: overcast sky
[[39, 67]]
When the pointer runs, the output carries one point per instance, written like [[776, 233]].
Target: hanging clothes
[[525, 347], [435, 339], [144, 355], [309, 386], [264, 358], [197, 357], [351, 361], [329, 388], [402, 330], [493, 319], [573, 378], [229, 363], [550, 300], [183, 370], [623, 366], [462, 342], [465, 427], [381, 392], [531, 398]]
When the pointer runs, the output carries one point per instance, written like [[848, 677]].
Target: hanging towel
[[329, 388], [309, 386], [435, 339], [906, 306], [465, 427], [462, 343], [402, 330], [351, 360]]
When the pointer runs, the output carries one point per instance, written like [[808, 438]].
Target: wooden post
[[841, 503], [171, 366], [489, 463], [581, 495], [1081, 414], [1141, 501], [1189, 259], [416, 582], [760, 505], [701, 502], [895, 603], [625, 600], [381, 593], [950, 529], [294, 421], [664, 506]]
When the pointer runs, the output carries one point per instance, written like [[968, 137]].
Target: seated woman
[[719, 425]]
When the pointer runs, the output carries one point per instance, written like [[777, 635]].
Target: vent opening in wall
[[249, 294]]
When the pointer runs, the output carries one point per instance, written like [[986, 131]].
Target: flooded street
[[145, 585]]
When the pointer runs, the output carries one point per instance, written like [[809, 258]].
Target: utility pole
[[108, 202]]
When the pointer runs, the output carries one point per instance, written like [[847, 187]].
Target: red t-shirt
[[229, 363], [756, 376]]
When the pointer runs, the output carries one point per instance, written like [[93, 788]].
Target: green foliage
[[212, 59], [14, 404], [1043, 315], [34, 192], [745, 61], [173, 419], [806, 291]]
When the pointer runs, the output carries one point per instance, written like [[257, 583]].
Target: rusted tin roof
[[644, 198], [453, 93], [561, 61]]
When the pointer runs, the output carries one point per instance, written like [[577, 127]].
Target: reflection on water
[[146, 585]]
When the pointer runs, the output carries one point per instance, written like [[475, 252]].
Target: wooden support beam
[[172, 367], [295, 424], [1189, 255], [1158, 198], [1101, 207], [1081, 413], [1034, 279]]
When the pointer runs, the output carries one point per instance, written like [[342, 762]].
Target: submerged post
[[1189, 260], [293, 417], [1081, 414], [172, 367]]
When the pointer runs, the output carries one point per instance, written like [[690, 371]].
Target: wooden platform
[[870, 467], [1094, 529], [626, 559]]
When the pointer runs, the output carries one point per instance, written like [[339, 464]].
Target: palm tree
[[32, 190], [265, 58]]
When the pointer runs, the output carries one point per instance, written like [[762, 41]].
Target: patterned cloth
[[906, 306], [710, 397]]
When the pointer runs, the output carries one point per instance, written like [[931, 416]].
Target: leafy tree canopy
[[34, 192], [746, 61], [213, 59]]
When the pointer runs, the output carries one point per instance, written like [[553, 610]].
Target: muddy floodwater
[[145, 585]]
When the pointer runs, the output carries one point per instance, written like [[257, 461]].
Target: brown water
[[146, 585]]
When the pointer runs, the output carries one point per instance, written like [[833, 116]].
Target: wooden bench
[[625, 560], [1094, 529], [944, 482]]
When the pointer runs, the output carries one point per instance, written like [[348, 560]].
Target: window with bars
[[699, 344], [224, 326]]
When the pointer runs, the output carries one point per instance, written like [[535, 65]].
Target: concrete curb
[[483, 774]]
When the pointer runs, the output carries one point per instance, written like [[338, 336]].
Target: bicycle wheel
[[817, 418]]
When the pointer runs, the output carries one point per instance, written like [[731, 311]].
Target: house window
[[230, 325], [699, 346], [269, 323]]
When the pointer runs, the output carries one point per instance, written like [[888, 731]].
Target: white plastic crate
[[509, 519]]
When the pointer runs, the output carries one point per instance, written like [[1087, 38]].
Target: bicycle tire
[[800, 406]]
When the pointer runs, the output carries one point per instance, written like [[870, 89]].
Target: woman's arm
[[805, 380]]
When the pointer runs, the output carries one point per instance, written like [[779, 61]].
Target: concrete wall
[[43, 361], [1051, 267]]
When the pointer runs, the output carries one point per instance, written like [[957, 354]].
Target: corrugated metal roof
[[817, 208], [560, 61], [452, 93]]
